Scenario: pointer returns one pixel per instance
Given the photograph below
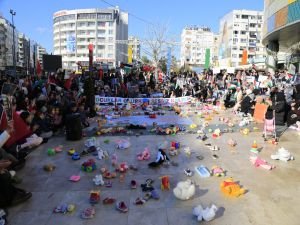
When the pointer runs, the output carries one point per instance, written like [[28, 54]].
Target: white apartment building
[[239, 30], [194, 42], [134, 44], [40, 51], [106, 29], [6, 43]]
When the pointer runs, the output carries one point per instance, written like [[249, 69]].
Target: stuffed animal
[[216, 133], [244, 122], [123, 167], [217, 171], [187, 151], [145, 155], [231, 188], [184, 190], [231, 142], [101, 153], [173, 151], [165, 183], [98, 180], [123, 144], [206, 214], [283, 155]]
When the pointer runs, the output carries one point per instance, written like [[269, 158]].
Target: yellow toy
[[193, 126], [217, 133], [245, 131], [231, 188]]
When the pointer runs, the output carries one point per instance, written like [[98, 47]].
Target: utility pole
[[13, 13]]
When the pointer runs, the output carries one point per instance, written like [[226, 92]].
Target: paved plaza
[[273, 197]]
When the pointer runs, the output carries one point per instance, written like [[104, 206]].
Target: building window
[[110, 38], [101, 39], [252, 25], [235, 32], [104, 16], [84, 16], [91, 24], [101, 47], [110, 32], [243, 40], [237, 16], [101, 32], [81, 24], [110, 24], [101, 24], [110, 47], [259, 17], [243, 32], [90, 32], [81, 32], [244, 16], [110, 55], [234, 55]]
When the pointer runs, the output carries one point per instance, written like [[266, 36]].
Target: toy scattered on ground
[[64, 208], [123, 144], [76, 156], [49, 167], [206, 214], [90, 142], [193, 126], [188, 172], [184, 190], [108, 201], [173, 151], [165, 183], [98, 180], [217, 171], [210, 130], [244, 122], [88, 166], [231, 188], [147, 186], [106, 174], [74, 178], [51, 152], [245, 131], [187, 151], [258, 162], [231, 142], [106, 141], [202, 171], [122, 168], [283, 155], [254, 147], [145, 155], [133, 184], [102, 154], [122, 207], [94, 197], [175, 144], [71, 151], [88, 213], [203, 137], [214, 148], [114, 160], [216, 133], [58, 148]]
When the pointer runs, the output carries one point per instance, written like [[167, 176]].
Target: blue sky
[[34, 17]]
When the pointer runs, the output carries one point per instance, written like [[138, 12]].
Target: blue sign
[[71, 44]]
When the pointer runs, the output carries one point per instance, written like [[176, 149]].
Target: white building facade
[[106, 29], [241, 30], [194, 42]]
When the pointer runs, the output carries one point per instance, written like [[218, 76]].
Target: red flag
[[38, 68]]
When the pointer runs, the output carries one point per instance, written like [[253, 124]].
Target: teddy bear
[[206, 214], [184, 190], [231, 188], [98, 180]]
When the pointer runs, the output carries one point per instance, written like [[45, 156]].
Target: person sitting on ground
[[247, 104], [160, 159], [41, 125], [9, 194], [83, 116]]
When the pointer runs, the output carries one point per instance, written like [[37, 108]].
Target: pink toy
[[58, 148], [123, 167], [145, 155], [74, 178], [257, 162]]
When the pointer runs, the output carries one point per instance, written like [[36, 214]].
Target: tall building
[[281, 32], [106, 29], [194, 42], [40, 51], [241, 30], [24, 50], [134, 47], [215, 51]]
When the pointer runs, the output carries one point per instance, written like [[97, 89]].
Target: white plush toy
[[98, 180], [184, 190], [123, 144], [244, 122], [206, 214], [101, 153]]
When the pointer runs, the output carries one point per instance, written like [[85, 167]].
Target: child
[[160, 159]]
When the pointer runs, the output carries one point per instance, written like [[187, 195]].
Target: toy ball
[[51, 152], [210, 130], [71, 208]]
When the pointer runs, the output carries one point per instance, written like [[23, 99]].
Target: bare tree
[[156, 43]]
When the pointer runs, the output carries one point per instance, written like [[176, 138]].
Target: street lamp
[[13, 13]]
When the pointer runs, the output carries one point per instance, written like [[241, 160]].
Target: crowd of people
[[35, 108]]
